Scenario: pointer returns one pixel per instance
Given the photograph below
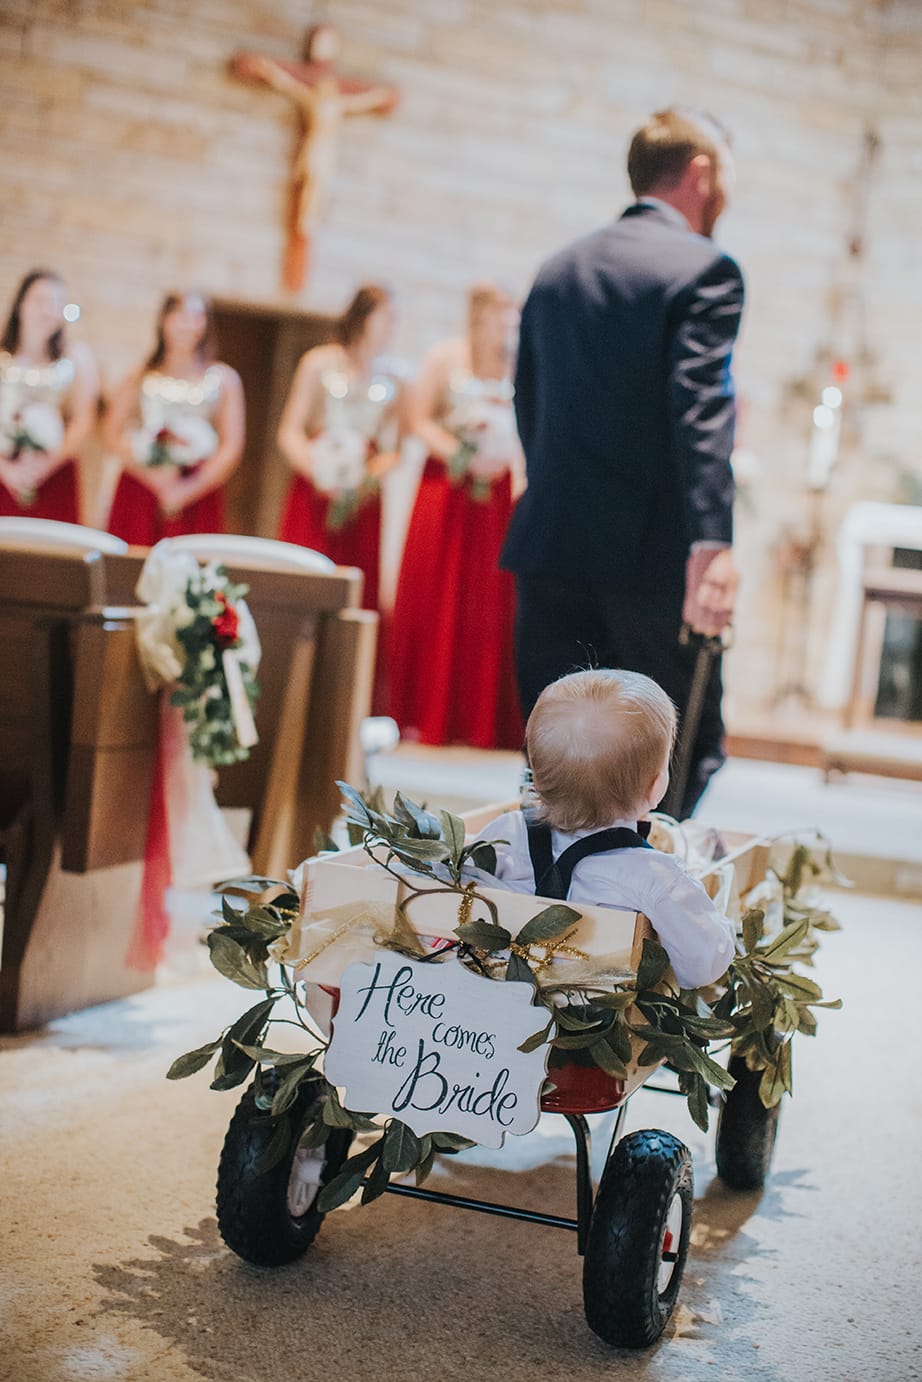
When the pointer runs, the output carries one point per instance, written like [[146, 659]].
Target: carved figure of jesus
[[323, 99]]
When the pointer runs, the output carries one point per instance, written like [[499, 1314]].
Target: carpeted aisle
[[111, 1267]]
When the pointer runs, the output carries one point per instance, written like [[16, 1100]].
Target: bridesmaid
[[451, 647], [340, 433], [177, 425], [48, 395]]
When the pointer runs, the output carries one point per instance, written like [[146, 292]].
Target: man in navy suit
[[625, 408]]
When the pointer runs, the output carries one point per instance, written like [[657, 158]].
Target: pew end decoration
[[197, 637], [428, 1009], [199, 650], [216, 688]]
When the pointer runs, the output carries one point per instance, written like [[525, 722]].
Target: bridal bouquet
[[339, 456], [34, 427], [487, 444], [184, 442]]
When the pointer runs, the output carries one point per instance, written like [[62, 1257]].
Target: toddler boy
[[599, 744]]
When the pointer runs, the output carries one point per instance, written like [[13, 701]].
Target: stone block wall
[[132, 162]]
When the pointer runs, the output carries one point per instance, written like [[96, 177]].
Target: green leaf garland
[[201, 689], [755, 1010]]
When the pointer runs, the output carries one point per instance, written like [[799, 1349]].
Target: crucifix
[[323, 98]]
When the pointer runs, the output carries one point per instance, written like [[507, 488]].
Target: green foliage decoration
[[459, 469], [754, 1010], [201, 688]]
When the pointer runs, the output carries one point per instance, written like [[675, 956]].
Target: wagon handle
[[708, 647]]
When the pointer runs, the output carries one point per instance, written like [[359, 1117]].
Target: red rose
[[226, 625]]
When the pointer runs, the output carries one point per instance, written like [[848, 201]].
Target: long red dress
[[136, 518], [355, 412], [43, 387], [305, 521], [452, 673], [57, 498], [175, 405]]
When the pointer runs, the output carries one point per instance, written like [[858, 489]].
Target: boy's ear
[[659, 787]]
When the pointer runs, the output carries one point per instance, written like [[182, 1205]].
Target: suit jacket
[[625, 405]]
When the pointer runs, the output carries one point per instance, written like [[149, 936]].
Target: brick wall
[[132, 162]]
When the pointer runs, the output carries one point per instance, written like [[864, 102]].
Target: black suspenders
[[553, 876]]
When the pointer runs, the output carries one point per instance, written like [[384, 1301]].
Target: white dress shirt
[[699, 940]]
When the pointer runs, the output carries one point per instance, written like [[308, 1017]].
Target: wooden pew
[[315, 677], [77, 738], [64, 937]]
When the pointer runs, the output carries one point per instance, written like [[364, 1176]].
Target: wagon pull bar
[[505, 1211], [584, 1193]]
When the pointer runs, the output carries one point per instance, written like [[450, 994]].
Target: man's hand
[[711, 582]]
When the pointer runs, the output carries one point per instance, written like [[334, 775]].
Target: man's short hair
[[597, 741], [664, 146]]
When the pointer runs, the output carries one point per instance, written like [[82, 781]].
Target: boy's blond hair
[[596, 742]]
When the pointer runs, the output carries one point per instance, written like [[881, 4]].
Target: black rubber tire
[[253, 1214], [746, 1131], [621, 1296]]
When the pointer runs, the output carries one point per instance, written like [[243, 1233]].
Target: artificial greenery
[[755, 1010], [213, 627], [161, 445], [460, 473]]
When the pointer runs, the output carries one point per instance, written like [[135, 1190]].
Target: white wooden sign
[[436, 1047]]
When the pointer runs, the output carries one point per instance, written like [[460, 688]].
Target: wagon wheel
[[638, 1239], [746, 1131], [270, 1217]]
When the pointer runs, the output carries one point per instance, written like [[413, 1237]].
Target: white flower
[[491, 427], [43, 425], [338, 457], [207, 660], [193, 439], [141, 443], [183, 615]]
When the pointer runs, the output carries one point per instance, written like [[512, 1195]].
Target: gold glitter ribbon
[[378, 920], [466, 903], [552, 949], [385, 923]]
